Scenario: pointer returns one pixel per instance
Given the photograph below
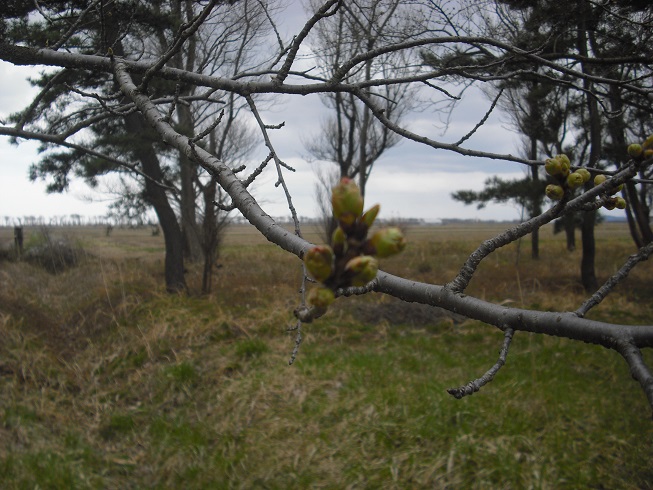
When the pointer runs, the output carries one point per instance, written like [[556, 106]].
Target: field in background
[[108, 382]]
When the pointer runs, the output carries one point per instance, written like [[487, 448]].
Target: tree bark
[[187, 169], [587, 269], [156, 196], [536, 208]]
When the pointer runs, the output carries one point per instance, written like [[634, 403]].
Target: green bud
[[648, 142], [554, 192], [338, 240], [363, 269], [564, 159], [347, 201], [319, 262], [574, 180], [370, 215], [648, 154], [565, 164], [320, 297], [553, 166], [620, 203], [611, 204], [635, 150], [584, 173], [386, 242], [599, 179]]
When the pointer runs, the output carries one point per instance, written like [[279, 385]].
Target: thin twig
[[482, 121], [473, 386], [643, 254], [280, 182], [322, 13], [186, 30]]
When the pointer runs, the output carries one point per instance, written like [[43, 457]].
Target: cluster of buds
[[559, 167], [611, 201], [641, 152], [352, 257]]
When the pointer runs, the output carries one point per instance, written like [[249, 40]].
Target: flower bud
[[584, 173], [553, 166], [363, 269], [564, 159], [386, 242], [611, 204], [320, 297], [370, 215], [554, 192], [620, 203], [565, 164], [599, 179], [635, 150], [648, 142], [319, 262], [574, 180], [338, 241], [648, 154], [347, 201]]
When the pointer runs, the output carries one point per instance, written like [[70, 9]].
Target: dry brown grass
[[106, 381]]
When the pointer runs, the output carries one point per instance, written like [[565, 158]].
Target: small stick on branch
[[473, 386], [482, 121], [643, 254]]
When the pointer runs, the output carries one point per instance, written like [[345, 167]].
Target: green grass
[[108, 382]]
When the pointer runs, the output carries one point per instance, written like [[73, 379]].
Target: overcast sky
[[409, 181]]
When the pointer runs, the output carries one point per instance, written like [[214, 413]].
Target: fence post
[[18, 240]]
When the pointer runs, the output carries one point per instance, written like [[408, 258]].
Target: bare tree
[[351, 137], [499, 58]]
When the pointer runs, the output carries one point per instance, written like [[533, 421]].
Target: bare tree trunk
[[536, 209], [587, 269], [570, 231], [156, 196], [210, 238], [187, 169]]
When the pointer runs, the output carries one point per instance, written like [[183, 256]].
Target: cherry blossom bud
[[320, 297], [553, 166], [565, 164], [620, 203], [599, 179], [319, 262], [554, 192], [338, 241], [386, 242], [347, 201], [574, 180], [584, 173], [564, 159], [370, 215], [648, 142], [611, 204], [363, 269], [635, 150]]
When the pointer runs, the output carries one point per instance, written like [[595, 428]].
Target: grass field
[[108, 382]]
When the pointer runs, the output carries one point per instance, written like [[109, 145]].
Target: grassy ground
[[107, 382]]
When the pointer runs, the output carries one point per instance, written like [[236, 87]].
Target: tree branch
[[474, 386]]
